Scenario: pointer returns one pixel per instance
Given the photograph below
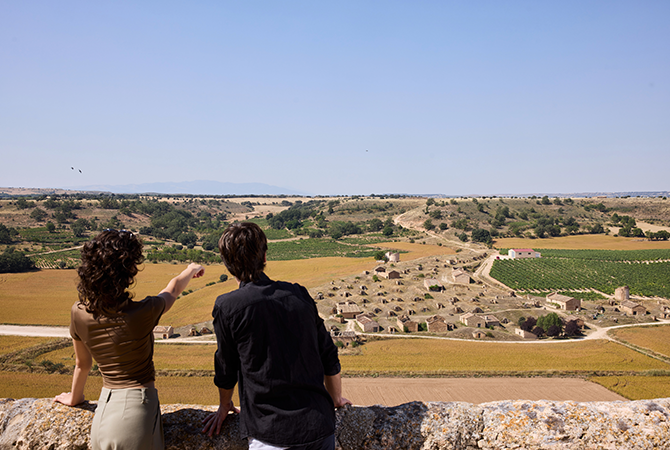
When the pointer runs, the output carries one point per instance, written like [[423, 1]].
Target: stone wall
[[645, 424]]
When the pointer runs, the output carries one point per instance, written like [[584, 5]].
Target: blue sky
[[346, 97]]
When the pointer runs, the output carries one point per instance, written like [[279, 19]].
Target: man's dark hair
[[243, 246]]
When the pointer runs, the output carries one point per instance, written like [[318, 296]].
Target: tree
[[553, 331], [597, 229], [7, 234], [443, 226], [380, 256], [375, 225], [538, 331], [545, 200], [387, 231], [223, 277], [528, 324], [188, 238], [38, 214], [51, 227], [551, 319], [77, 229], [14, 262], [481, 235], [428, 225], [571, 328]]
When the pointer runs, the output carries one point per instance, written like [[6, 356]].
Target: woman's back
[[122, 346]]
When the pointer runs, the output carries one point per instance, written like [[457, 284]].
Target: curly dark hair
[[243, 246], [108, 267]]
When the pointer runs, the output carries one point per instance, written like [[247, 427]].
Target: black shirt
[[272, 341]]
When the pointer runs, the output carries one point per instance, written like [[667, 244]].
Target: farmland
[[654, 338], [335, 266], [636, 387], [435, 357], [586, 269]]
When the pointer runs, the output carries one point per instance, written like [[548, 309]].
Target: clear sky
[[338, 97]]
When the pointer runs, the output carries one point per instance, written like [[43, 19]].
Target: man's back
[[273, 342]]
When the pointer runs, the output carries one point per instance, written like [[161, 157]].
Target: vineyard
[[645, 272], [610, 255], [69, 259], [315, 248]]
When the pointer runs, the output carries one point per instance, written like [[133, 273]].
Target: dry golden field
[[636, 387], [166, 357], [655, 338], [196, 390], [46, 296], [585, 241], [10, 344], [432, 356]]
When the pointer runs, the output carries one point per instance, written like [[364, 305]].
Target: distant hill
[[201, 187]]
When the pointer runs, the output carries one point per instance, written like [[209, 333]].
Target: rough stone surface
[[41, 424]]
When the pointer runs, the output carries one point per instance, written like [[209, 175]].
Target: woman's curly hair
[[108, 267]]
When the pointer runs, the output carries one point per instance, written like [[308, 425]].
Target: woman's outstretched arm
[[179, 283], [83, 363]]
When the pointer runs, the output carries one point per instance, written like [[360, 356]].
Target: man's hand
[[67, 399], [341, 402], [214, 421]]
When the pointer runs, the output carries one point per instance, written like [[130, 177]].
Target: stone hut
[[564, 302], [391, 274], [524, 334], [460, 276], [471, 320], [478, 334], [393, 257], [491, 321], [622, 293], [367, 324], [404, 322], [432, 284], [348, 310], [437, 324], [163, 332], [632, 308]]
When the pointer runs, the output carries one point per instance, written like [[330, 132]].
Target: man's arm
[[334, 388], [214, 421]]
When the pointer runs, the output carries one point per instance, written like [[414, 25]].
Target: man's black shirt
[[272, 342]]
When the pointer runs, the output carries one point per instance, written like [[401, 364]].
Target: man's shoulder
[[251, 293]]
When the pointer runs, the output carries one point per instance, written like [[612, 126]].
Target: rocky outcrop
[[644, 424]]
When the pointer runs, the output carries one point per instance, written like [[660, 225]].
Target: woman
[[108, 326]]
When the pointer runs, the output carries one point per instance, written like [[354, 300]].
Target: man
[[272, 342]]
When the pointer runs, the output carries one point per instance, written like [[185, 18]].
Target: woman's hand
[[198, 269], [67, 399]]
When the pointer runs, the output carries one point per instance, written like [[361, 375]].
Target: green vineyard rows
[[59, 260], [571, 270]]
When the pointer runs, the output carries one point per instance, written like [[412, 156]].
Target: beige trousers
[[127, 419]]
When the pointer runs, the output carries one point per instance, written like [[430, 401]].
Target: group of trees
[[551, 325], [7, 234], [12, 261]]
